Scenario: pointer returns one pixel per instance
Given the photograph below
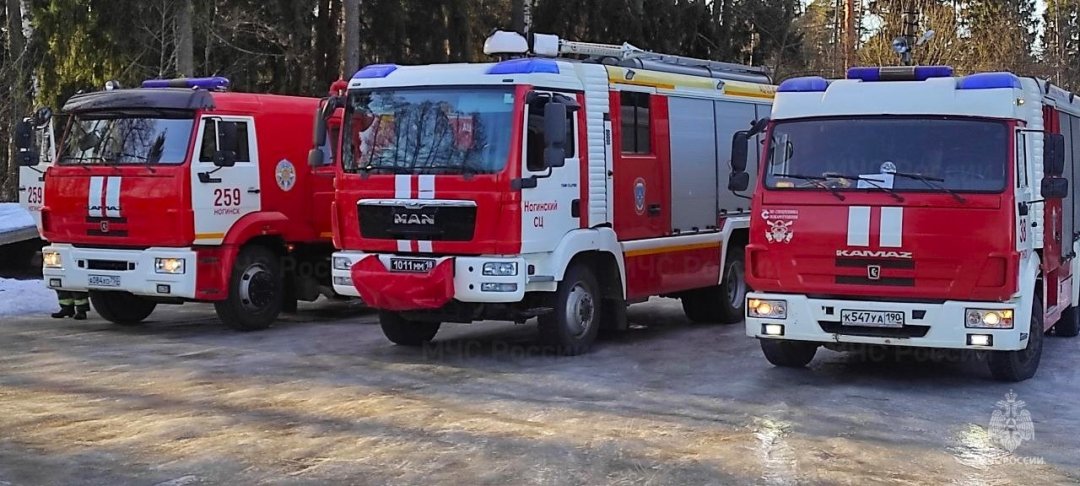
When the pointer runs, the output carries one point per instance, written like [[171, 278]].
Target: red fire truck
[[541, 186], [181, 191], [909, 207]]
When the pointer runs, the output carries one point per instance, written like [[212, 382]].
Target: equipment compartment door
[[641, 191], [221, 196]]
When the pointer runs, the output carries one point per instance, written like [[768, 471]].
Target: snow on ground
[[14, 217], [24, 297]]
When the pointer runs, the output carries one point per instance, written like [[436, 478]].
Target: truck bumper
[[370, 277], [925, 325], [134, 271]]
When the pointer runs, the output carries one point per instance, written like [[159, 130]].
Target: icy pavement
[[14, 217], [323, 398], [25, 297]]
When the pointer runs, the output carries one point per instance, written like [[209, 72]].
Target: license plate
[[872, 318], [414, 265], [103, 281]]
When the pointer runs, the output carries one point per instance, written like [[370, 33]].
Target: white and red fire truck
[[541, 186], [182, 191], [905, 206]]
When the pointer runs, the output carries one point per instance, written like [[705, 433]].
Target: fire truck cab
[[181, 191], [905, 206], [542, 186]]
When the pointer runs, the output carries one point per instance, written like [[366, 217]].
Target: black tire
[[724, 303], [1069, 325], [256, 289], [122, 308], [788, 354], [574, 323], [1020, 365], [404, 332]]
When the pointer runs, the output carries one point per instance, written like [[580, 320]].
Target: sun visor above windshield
[[152, 99]]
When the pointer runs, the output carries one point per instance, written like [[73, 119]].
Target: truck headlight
[[174, 266], [500, 269], [769, 309], [51, 259], [989, 319], [342, 263]]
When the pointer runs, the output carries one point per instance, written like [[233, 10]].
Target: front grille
[[110, 265], [431, 222], [886, 332]]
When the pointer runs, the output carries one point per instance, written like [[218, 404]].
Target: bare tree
[[185, 47], [351, 59], [19, 76]]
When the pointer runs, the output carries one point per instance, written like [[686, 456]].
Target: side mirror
[[1055, 188], [1054, 154], [24, 135], [738, 181], [739, 152], [227, 140], [555, 134], [316, 157]]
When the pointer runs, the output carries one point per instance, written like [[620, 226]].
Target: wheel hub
[[580, 310], [257, 288]]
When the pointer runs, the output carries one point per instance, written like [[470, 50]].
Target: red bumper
[[398, 291]]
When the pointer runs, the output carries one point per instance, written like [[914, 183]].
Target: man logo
[[873, 272], [424, 219], [104, 226]]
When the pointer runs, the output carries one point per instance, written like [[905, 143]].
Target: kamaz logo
[[873, 254], [426, 219]]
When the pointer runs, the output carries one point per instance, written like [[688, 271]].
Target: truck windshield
[[455, 130], [946, 154], [112, 138]]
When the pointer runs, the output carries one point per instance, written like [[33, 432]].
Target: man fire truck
[[908, 207], [181, 191], [543, 187]]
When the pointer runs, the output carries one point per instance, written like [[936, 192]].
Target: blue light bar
[[989, 81], [373, 71], [525, 66], [216, 83], [899, 73], [807, 84]]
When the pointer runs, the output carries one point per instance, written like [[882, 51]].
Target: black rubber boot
[[65, 311], [80, 312]]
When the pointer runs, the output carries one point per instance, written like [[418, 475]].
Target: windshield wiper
[[815, 180], [874, 182], [464, 168], [931, 182]]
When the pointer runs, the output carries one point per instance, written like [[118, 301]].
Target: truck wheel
[[788, 354], [702, 305], [255, 291], [404, 332], [1069, 325], [121, 307], [1021, 365], [733, 288], [572, 326]]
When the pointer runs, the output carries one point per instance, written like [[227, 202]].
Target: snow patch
[[14, 217], [23, 297]]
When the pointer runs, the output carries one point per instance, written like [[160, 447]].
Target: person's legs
[[67, 305], [82, 304]]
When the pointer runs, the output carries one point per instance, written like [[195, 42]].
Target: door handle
[[22, 189], [252, 190], [654, 210]]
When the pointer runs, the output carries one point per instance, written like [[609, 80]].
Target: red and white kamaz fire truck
[[909, 207], [181, 191], [545, 187]]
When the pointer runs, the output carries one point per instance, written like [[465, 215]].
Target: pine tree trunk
[[517, 15], [185, 47], [9, 177], [351, 59]]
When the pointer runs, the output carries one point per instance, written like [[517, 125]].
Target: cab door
[[551, 208], [32, 179], [640, 166], [220, 196]]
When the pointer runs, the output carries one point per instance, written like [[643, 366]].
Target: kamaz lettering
[[873, 254]]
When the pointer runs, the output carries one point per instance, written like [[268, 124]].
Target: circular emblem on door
[[639, 195], [285, 175]]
